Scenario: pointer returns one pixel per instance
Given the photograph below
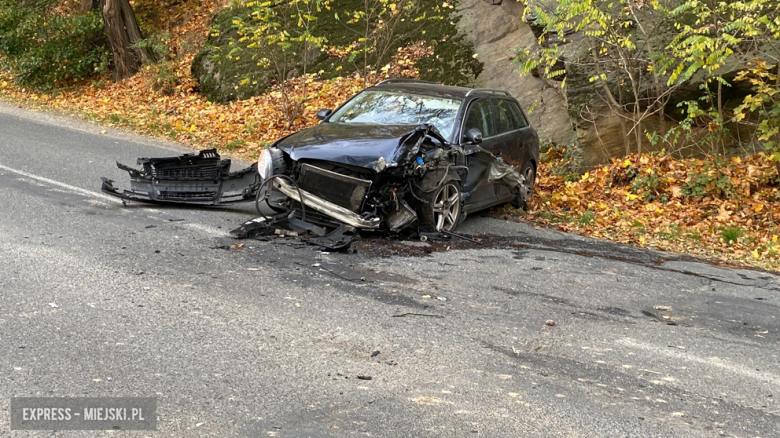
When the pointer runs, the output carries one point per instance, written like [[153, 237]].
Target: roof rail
[[487, 90], [405, 80]]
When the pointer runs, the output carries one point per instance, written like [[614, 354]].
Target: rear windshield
[[396, 108]]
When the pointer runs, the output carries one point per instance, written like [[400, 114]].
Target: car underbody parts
[[338, 239], [459, 236], [259, 227], [201, 179], [401, 218], [432, 236], [335, 238]]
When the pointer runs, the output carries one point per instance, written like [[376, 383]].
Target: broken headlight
[[271, 162], [265, 164]]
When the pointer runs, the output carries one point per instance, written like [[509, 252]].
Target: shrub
[[710, 182], [164, 78], [44, 49], [253, 45], [647, 186]]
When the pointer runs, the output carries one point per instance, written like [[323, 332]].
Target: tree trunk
[[614, 105], [123, 32]]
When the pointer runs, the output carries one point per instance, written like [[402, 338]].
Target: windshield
[[396, 108]]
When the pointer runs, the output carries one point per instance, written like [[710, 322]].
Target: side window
[[479, 117], [508, 116], [503, 118], [515, 109]]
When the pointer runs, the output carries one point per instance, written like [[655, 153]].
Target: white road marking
[[102, 197], [68, 187]]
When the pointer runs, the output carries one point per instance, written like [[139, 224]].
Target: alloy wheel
[[446, 207]]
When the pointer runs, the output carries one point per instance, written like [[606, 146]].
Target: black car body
[[378, 170]]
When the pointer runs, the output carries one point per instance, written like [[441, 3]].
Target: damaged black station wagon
[[407, 151], [401, 154]]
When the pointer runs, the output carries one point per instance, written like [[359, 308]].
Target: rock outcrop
[[224, 79], [497, 30], [579, 115]]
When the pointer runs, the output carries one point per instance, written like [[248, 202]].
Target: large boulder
[[497, 30], [578, 115]]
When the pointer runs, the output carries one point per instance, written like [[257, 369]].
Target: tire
[[529, 173], [442, 209]]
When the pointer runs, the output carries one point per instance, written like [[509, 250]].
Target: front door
[[480, 192]]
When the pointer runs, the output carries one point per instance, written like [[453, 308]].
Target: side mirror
[[324, 113], [474, 136]]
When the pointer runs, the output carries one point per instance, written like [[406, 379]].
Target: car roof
[[433, 89]]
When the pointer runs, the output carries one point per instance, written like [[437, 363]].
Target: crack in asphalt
[[655, 265]]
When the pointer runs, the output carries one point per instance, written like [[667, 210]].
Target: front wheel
[[443, 207]]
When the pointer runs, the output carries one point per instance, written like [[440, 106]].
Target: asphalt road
[[97, 299]]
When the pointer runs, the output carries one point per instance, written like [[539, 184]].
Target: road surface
[[98, 299]]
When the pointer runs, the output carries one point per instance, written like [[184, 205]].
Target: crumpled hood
[[354, 144]]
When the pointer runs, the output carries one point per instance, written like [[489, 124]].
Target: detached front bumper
[[337, 212], [195, 179]]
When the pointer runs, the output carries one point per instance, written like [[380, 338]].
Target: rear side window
[[518, 114], [479, 117], [508, 116]]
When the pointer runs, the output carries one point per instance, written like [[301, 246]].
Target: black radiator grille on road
[[198, 173], [207, 165], [342, 190], [166, 195]]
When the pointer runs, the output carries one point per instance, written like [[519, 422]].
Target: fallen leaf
[[427, 400]]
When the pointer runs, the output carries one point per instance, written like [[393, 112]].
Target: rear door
[[512, 136], [509, 136], [528, 137]]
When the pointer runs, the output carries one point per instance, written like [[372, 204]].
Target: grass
[[731, 234], [587, 218], [235, 144]]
